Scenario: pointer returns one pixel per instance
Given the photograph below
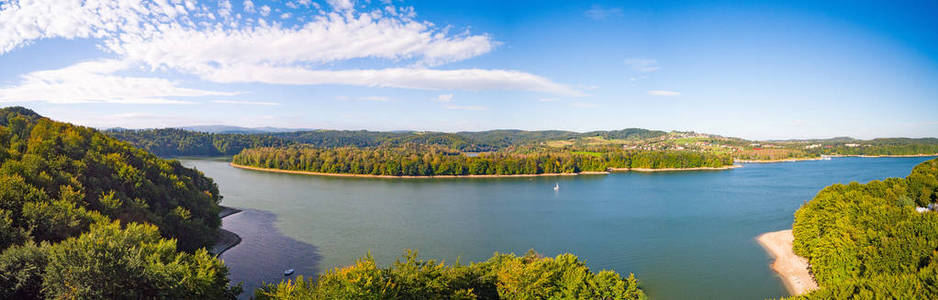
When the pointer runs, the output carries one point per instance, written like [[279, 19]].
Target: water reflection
[[264, 252]]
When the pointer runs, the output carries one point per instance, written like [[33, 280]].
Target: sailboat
[[556, 186]]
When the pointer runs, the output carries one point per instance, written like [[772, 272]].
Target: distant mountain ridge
[[239, 129]]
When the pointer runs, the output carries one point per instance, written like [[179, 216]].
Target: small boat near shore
[[288, 272], [556, 186]]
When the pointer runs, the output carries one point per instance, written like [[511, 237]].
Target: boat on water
[[556, 186], [288, 272]]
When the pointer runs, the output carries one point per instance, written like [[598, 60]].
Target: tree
[[110, 262]]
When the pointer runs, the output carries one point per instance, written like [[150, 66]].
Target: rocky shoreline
[[226, 239]]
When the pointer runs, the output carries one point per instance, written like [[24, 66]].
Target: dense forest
[[504, 276], [868, 241], [85, 216], [420, 160], [170, 142], [886, 146], [179, 142]]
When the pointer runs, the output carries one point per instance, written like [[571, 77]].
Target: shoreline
[[226, 239], [824, 157], [793, 269], [883, 156], [610, 170], [772, 161], [675, 169]]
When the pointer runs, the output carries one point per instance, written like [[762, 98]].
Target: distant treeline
[[171, 142], [179, 142], [504, 276], [886, 146], [867, 241], [419, 160]]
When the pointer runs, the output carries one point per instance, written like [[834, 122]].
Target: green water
[[686, 235]]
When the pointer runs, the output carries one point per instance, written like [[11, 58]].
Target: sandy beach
[[792, 268]]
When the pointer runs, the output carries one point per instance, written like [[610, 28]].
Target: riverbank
[[772, 161], [824, 157], [875, 156], [226, 239], [793, 269], [674, 169], [391, 176], [485, 176]]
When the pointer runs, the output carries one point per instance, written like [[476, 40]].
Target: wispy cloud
[[597, 12], [466, 107], [219, 45], [96, 82], [444, 98], [409, 78], [643, 65], [663, 93], [245, 102]]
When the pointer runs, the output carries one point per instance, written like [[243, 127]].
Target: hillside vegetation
[[504, 276], [868, 241], [85, 216], [179, 142]]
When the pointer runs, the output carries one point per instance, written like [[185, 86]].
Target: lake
[[686, 235]]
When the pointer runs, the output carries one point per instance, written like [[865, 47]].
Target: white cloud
[[643, 65], [547, 99], [597, 12], [242, 102], [663, 93], [327, 39], [466, 107], [192, 39], [341, 5], [410, 78], [94, 82], [444, 98]]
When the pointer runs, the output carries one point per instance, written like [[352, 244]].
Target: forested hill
[[868, 241], [179, 142], [83, 215]]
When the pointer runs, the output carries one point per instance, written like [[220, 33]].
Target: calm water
[[685, 235]]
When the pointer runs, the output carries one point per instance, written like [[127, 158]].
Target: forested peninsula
[[873, 240], [417, 160]]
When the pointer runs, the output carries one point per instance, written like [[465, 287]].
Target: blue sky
[[748, 69]]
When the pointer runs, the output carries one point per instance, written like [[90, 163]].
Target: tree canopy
[[420, 160], [504, 276], [65, 190], [868, 240]]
